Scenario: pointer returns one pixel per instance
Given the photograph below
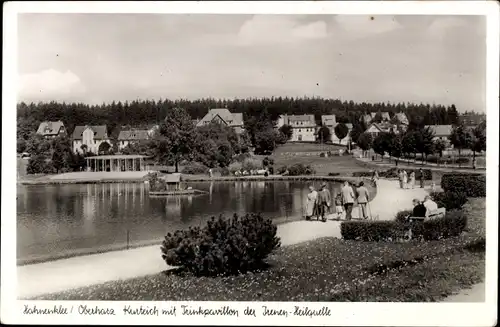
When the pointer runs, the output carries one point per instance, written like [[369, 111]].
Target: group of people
[[319, 203], [408, 181], [424, 208]]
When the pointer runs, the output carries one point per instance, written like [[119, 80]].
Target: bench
[[439, 213]]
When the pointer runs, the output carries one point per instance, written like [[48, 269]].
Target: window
[[300, 130]]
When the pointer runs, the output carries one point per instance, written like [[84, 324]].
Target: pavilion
[[119, 162]]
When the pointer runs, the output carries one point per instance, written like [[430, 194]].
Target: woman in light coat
[[405, 179], [412, 179], [312, 198]]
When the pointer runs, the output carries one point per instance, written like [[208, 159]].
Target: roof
[[50, 127], [441, 130], [134, 135], [118, 156], [328, 120], [100, 132], [232, 119], [309, 119], [385, 115], [401, 116]]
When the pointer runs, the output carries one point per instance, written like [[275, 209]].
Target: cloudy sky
[[103, 57]]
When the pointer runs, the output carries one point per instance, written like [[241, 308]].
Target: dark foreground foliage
[[223, 246], [321, 270], [472, 185]]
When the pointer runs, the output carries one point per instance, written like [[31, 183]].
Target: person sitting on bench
[[419, 210], [430, 205]]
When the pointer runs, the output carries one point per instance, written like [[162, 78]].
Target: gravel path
[[474, 294], [60, 275]]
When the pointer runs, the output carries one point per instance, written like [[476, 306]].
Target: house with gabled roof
[[132, 136], [377, 128], [402, 118], [51, 129], [223, 116], [441, 132], [90, 136]]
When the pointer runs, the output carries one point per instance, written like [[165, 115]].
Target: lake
[[76, 218]]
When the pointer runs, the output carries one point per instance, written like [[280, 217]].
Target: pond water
[[56, 219]]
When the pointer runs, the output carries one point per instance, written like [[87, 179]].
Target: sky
[[95, 58]]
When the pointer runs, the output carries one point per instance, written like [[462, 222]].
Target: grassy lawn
[[326, 269], [344, 165], [307, 147]]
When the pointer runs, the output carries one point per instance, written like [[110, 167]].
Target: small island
[[169, 185]]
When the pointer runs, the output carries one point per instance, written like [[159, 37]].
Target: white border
[[402, 314]]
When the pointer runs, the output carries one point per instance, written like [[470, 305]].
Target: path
[[403, 165], [60, 275], [474, 294]]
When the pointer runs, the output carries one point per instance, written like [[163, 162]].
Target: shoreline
[[195, 178]]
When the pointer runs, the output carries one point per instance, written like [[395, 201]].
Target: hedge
[[452, 224], [472, 185], [223, 246], [371, 230], [450, 200], [297, 170]]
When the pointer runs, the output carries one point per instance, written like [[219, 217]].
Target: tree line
[[421, 140]]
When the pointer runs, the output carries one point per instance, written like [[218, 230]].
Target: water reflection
[[59, 218]]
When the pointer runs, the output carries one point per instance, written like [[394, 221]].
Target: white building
[[90, 136], [223, 116], [303, 127], [441, 132], [375, 129]]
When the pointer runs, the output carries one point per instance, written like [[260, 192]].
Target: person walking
[[363, 198], [311, 203], [375, 177], [339, 209], [405, 179], [210, 174], [400, 176], [412, 179], [348, 199], [421, 177], [324, 202]]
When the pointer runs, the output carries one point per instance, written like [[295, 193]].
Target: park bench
[[439, 213]]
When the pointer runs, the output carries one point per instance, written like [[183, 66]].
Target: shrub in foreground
[[402, 215], [223, 246], [449, 199], [452, 224], [473, 185]]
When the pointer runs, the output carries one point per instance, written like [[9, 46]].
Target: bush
[[452, 224], [371, 230], [450, 200], [333, 174], [195, 169], [241, 157], [300, 169], [401, 215], [235, 166], [362, 174], [473, 185], [224, 171], [322, 154], [251, 164], [223, 246]]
